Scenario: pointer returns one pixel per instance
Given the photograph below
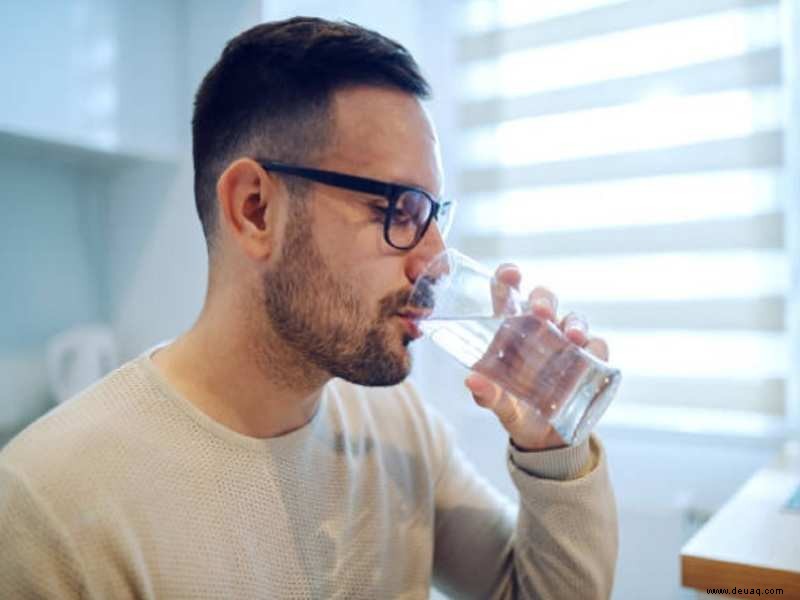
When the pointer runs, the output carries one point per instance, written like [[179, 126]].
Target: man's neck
[[245, 381]]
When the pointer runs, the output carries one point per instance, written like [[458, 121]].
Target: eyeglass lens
[[411, 214]]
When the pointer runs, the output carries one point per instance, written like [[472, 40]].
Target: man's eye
[[401, 217], [379, 212]]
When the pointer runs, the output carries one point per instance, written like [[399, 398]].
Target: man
[[275, 450]]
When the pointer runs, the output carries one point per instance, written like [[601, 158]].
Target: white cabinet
[[99, 74]]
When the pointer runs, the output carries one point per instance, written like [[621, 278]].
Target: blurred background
[[641, 158]]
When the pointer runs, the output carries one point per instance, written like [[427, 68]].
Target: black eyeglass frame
[[390, 191]]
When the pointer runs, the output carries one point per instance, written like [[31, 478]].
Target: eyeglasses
[[408, 214]]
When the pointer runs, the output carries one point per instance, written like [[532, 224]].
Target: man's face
[[336, 291]]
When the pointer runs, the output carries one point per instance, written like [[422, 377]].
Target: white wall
[[157, 279], [46, 281]]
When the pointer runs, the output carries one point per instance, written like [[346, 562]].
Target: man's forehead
[[385, 134]]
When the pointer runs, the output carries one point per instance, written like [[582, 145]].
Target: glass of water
[[488, 328]]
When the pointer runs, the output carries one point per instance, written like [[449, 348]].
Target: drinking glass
[[487, 327]]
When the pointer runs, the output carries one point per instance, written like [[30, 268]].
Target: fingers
[[598, 347], [506, 276], [544, 303], [527, 429], [489, 395], [575, 328]]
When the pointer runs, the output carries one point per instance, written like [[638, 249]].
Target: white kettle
[[78, 357]]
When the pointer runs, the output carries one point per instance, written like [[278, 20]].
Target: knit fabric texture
[[129, 491]]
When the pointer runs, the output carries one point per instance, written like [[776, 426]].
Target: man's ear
[[248, 208]]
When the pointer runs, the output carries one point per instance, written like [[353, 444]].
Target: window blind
[[629, 155]]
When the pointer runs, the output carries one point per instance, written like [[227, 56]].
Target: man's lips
[[411, 321], [416, 315]]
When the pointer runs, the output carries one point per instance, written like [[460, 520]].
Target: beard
[[323, 318]]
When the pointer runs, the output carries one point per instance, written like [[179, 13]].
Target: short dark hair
[[270, 92]]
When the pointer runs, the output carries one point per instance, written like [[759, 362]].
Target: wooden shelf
[[753, 541]]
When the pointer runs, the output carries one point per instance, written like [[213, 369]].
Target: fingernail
[[503, 270], [576, 326], [578, 322], [543, 303]]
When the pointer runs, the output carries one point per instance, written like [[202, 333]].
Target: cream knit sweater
[[129, 491]]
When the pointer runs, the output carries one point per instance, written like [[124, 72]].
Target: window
[[630, 155]]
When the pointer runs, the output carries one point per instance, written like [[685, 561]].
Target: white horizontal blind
[[629, 155]]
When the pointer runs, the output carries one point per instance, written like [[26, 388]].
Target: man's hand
[[528, 429]]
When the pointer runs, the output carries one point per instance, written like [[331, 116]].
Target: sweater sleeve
[[37, 560], [561, 543], [567, 531]]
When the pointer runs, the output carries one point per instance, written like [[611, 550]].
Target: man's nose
[[431, 244]]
